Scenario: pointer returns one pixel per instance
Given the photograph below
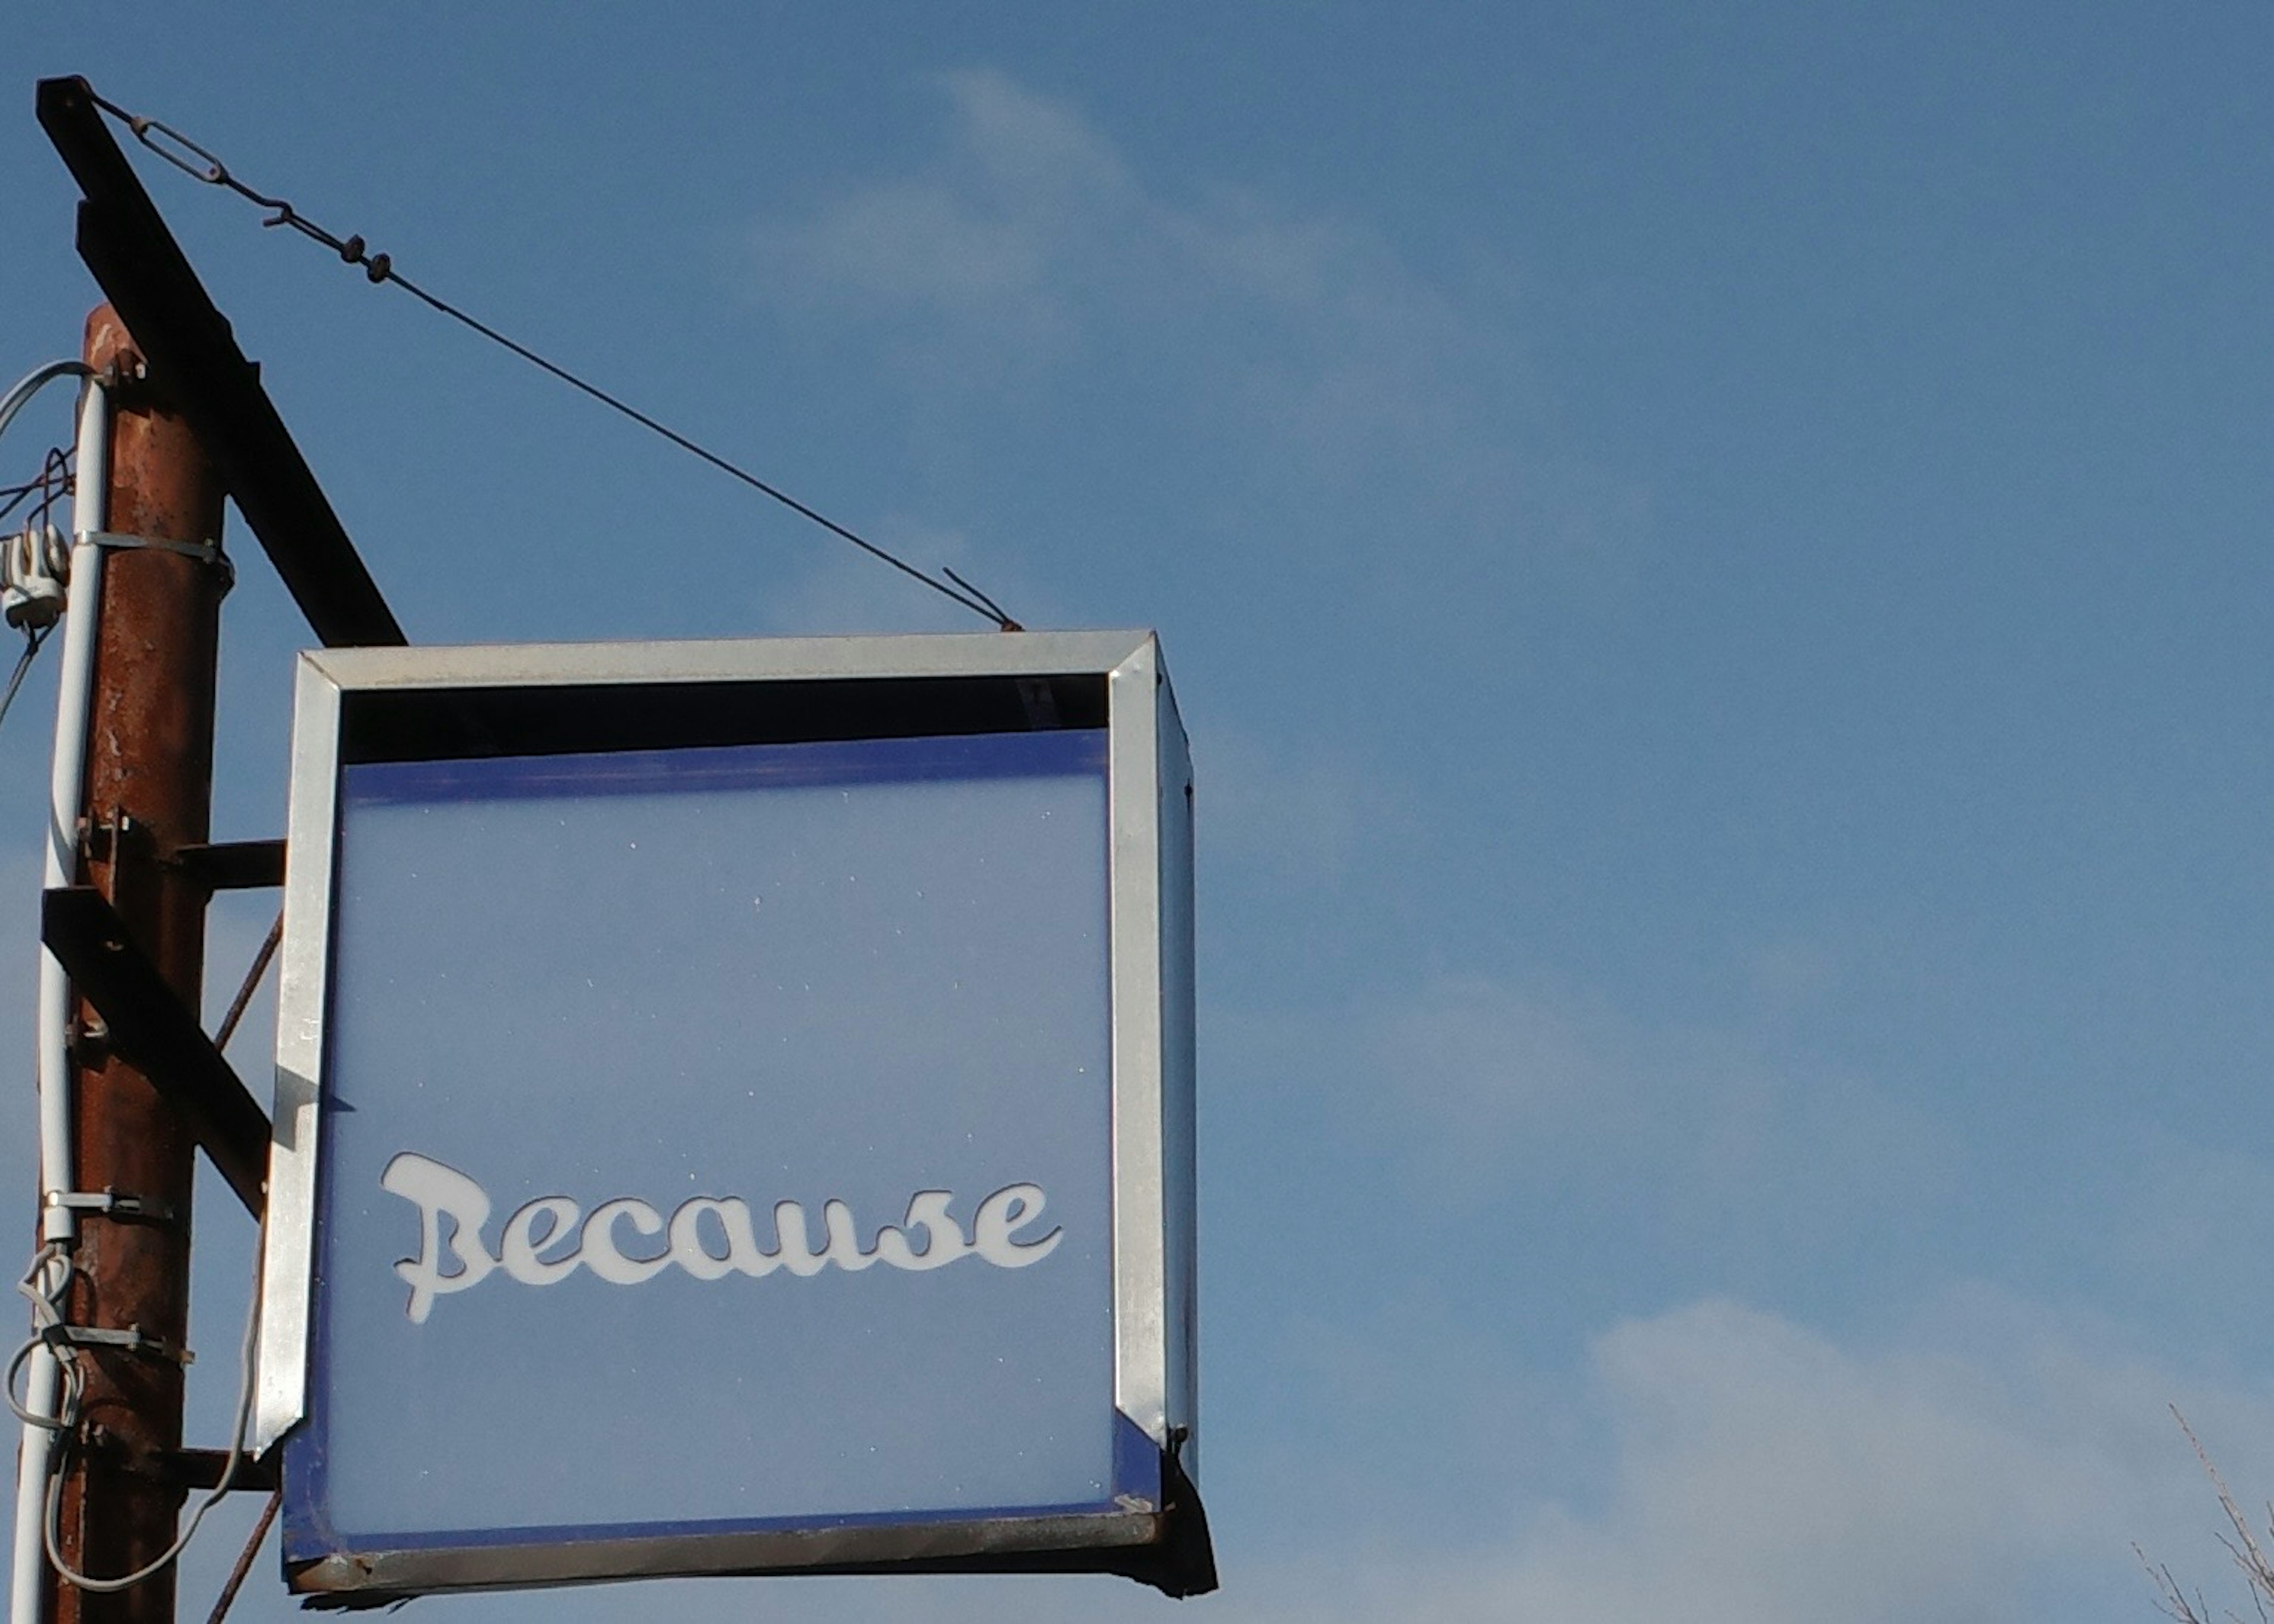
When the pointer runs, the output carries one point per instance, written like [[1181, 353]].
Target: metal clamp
[[204, 552], [112, 1204], [134, 1339]]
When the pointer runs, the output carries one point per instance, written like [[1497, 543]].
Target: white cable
[[50, 1521], [33, 1461], [59, 1224], [45, 1284], [32, 382], [50, 1409]]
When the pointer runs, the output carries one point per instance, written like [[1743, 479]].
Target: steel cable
[[200, 164]]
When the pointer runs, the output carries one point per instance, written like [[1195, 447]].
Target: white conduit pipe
[[74, 691], [66, 787]]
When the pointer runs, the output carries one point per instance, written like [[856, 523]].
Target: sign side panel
[[1140, 1259], [1179, 1072], [303, 958]]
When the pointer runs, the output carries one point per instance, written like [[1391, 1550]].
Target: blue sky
[[1713, 557]]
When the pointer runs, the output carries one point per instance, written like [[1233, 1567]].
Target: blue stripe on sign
[[1051, 753]]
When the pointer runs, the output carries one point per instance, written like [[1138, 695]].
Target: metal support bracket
[[234, 865], [195, 357], [111, 1204], [202, 1469], [150, 1027]]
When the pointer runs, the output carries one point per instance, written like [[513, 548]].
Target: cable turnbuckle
[[173, 147]]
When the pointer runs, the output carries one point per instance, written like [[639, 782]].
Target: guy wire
[[201, 165]]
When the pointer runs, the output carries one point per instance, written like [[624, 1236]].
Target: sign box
[[735, 1114]]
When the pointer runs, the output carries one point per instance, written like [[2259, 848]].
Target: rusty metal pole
[[149, 791]]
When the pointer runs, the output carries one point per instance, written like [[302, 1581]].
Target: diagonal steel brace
[[150, 1027]]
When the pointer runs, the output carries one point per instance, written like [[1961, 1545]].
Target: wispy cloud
[[1503, 1080], [1991, 1463], [1766, 1473], [1004, 225], [1026, 248], [1289, 806]]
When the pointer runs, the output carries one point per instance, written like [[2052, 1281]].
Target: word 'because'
[[708, 1237]]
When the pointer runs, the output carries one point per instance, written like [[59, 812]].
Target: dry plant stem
[[2243, 1548], [2171, 1601]]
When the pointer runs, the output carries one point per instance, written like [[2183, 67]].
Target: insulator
[[34, 572]]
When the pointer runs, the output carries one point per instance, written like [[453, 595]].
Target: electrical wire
[[14, 496], [38, 378], [47, 1284], [175, 148], [55, 483], [32, 642], [51, 1531]]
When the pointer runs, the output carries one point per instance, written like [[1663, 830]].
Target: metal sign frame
[[465, 703]]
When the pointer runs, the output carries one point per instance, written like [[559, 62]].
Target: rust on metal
[[149, 785]]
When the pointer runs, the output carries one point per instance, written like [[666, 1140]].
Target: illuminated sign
[[735, 1114]]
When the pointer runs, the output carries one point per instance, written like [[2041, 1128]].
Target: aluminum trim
[[1179, 1066], [1140, 1271], [539, 664], [288, 1251]]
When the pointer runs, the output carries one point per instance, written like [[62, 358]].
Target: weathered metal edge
[[424, 1572], [296, 1124]]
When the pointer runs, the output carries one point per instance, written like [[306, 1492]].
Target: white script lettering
[[453, 1211], [441, 1192]]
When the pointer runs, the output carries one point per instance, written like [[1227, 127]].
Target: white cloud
[[1027, 245], [917, 243], [1993, 1463], [1766, 1474], [999, 232], [1711, 1126]]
